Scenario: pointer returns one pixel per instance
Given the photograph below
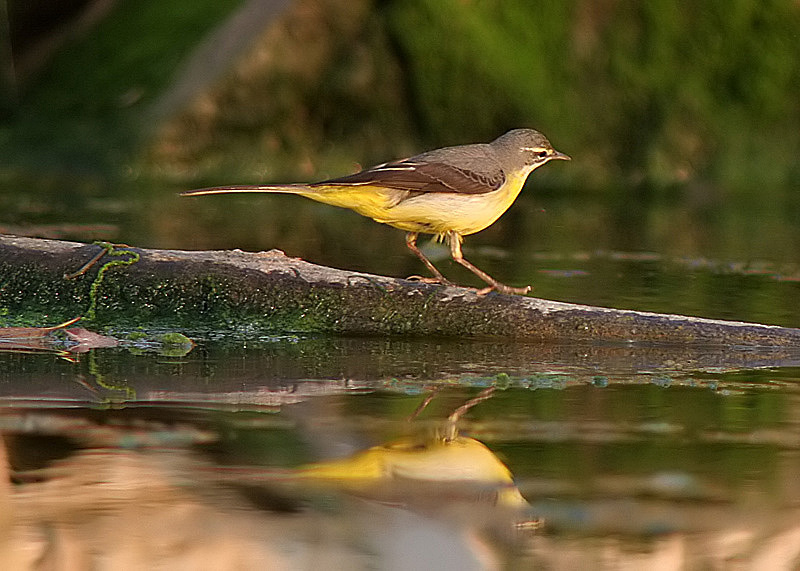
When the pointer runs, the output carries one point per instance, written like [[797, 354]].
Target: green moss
[[175, 338], [28, 297], [502, 381], [112, 251], [136, 336]]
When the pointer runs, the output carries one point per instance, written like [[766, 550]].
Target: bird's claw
[[503, 288], [427, 280]]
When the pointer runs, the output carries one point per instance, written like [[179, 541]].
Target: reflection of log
[[270, 292]]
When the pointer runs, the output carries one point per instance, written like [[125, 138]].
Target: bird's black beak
[[562, 156]]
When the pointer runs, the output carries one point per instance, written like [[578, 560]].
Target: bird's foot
[[503, 288], [427, 280]]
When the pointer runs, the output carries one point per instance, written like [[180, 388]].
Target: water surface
[[623, 455], [615, 455]]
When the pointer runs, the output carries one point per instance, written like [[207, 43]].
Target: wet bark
[[271, 293]]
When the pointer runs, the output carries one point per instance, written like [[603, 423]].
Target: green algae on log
[[269, 292]]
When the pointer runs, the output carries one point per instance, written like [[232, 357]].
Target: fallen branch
[[269, 292]]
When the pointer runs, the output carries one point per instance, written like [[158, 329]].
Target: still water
[[295, 452], [298, 452]]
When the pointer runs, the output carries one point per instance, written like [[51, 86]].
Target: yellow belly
[[429, 213], [439, 213]]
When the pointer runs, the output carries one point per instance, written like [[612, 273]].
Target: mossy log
[[271, 293]]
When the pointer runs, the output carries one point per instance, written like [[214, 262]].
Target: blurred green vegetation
[[647, 93], [88, 111], [657, 91]]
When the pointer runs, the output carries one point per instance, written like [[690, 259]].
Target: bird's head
[[525, 148]]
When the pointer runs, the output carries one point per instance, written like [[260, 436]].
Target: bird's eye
[[536, 153]]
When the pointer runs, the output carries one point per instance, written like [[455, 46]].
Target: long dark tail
[[245, 188]]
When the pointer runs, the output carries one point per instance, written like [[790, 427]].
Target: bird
[[450, 192]]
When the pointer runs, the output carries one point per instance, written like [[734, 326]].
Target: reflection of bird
[[461, 461], [449, 192]]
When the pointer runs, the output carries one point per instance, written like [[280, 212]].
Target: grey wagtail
[[449, 192]]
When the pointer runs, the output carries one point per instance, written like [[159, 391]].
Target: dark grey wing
[[420, 174]]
